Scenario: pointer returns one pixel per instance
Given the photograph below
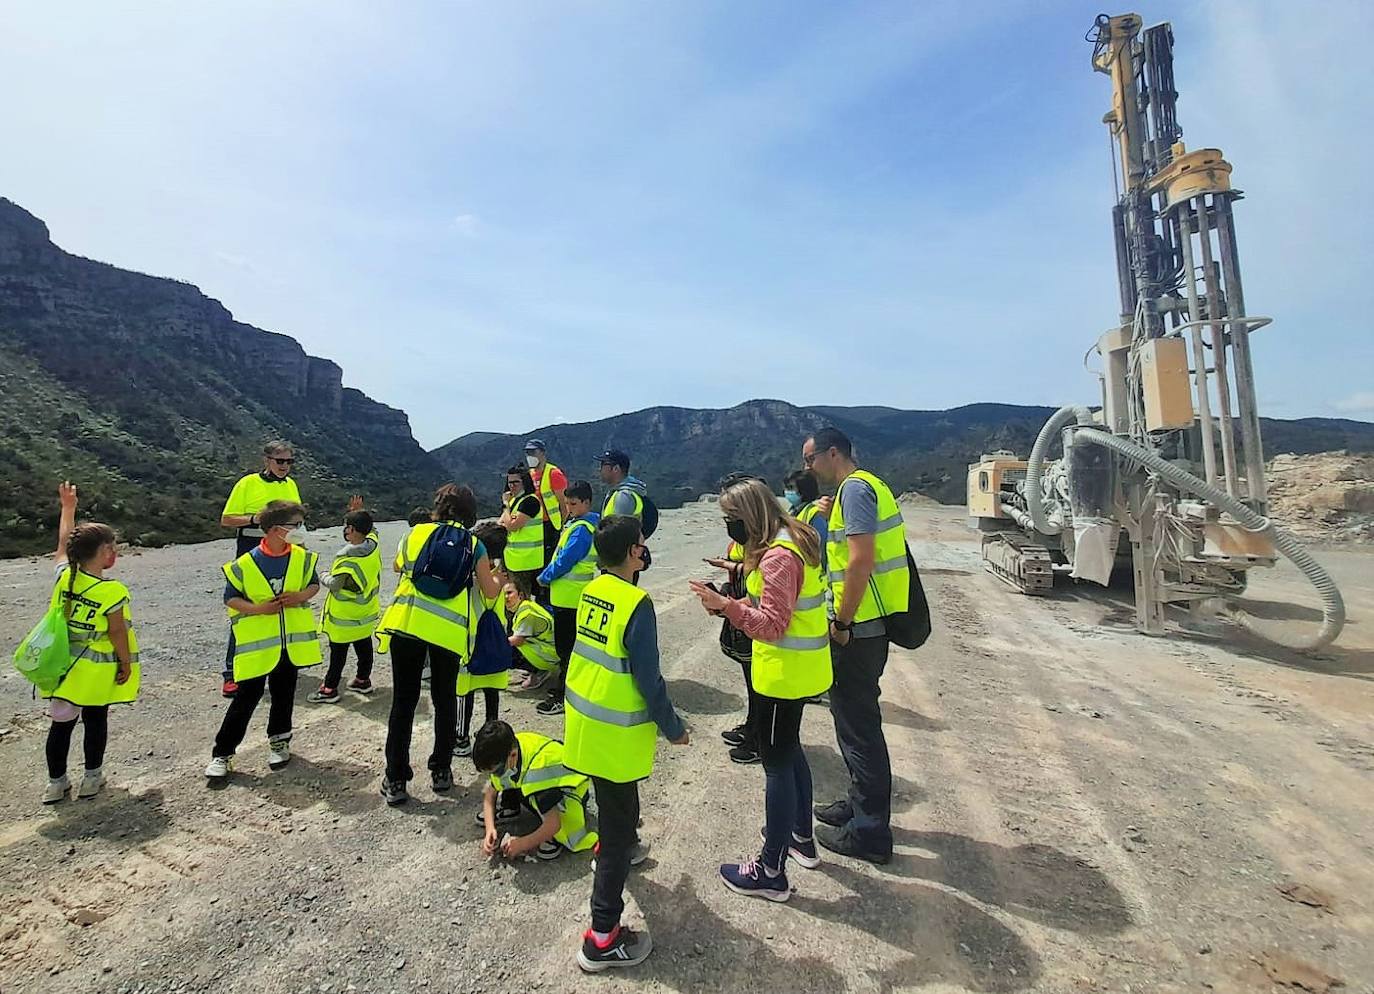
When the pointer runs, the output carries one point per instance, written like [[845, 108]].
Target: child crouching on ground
[[531, 633]]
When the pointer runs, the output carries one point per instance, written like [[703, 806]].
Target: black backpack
[[648, 518], [910, 628], [444, 568]]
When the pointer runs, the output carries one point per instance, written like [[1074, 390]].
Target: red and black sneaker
[[230, 688], [360, 685], [624, 947]]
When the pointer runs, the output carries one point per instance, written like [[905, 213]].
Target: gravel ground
[[1077, 808]]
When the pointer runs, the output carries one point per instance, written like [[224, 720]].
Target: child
[[493, 537], [573, 566], [351, 608], [531, 632], [525, 772], [267, 593], [104, 648]]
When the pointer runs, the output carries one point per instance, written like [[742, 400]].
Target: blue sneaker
[[749, 879], [803, 851]]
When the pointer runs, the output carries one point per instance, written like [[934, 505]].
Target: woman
[[524, 523], [418, 625], [784, 614]]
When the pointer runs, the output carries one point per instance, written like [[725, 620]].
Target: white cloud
[[466, 225], [1357, 403]]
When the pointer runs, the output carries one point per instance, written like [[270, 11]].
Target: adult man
[[625, 493], [866, 552], [617, 703], [551, 485], [250, 495]]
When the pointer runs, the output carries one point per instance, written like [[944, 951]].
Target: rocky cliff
[[152, 396]]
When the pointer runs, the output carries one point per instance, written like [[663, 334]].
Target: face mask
[[533, 461], [793, 499], [735, 529], [296, 536]]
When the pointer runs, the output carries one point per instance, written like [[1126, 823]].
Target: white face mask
[[296, 536], [533, 461]]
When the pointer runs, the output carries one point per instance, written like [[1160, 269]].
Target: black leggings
[[407, 660], [491, 702], [338, 656], [97, 722]]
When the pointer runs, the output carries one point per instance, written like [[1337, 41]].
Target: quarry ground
[[1077, 808]]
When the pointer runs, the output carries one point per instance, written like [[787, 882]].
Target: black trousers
[[407, 662], [859, 733], [751, 716], [338, 656], [564, 637], [281, 684], [787, 777], [617, 806], [97, 722], [491, 706]]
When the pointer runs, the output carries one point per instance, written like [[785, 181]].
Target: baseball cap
[[615, 456], [535, 445]]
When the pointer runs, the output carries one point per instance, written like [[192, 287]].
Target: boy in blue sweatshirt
[[572, 567]]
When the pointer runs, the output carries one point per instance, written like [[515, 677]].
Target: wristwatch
[[842, 626]]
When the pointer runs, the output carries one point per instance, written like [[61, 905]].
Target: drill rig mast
[[1174, 460]]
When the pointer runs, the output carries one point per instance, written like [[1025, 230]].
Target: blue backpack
[[491, 652], [444, 568]]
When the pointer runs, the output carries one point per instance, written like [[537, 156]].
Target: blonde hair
[[753, 503]]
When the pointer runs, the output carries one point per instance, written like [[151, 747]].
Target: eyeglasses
[[282, 462], [808, 460]]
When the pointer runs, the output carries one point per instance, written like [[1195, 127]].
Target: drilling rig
[[1167, 475]]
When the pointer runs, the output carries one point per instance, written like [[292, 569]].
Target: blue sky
[[497, 216]]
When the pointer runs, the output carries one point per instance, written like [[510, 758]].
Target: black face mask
[[735, 529]]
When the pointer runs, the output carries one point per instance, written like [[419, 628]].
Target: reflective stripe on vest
[[260, 639], [889, 586], [525, 546], [547, 495], [608, 731], [566, 590], [542, 768], [439, 622], [538, 649], [638, 512], [798, 664], [90, 680], [351, 615]]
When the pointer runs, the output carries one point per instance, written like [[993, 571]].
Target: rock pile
[[1327, 495]]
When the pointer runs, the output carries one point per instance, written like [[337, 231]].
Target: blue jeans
[[787, 789]]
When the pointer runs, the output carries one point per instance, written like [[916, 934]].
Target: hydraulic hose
[[1017, 515], [1333, 607], [1058, 421]]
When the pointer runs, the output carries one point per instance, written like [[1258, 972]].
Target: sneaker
[[550, 706], [91, 783], [278, 753], [548, 850], [625, 947], [463, 747], [638, 853], [744, 755], [394, 792], [533, 680], [441, 780], [502, 814], [750, 879], [360, 685], [219, 767], [324, 696], [804, 853], [837, 840], [229, 689], [837, 814], [57, 790], [736, 736]]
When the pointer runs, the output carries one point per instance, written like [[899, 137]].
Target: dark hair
[[831, 437], [359, 521], [579, 490], [615, 536], [492, 744], [803, 481], [493, 536], [279, 512], [455, 503], [277, 445], [83, 543], [730, 479], [522, 583], [419, 516], [526, 484]]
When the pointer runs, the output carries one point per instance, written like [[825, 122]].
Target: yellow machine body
[[1164, 384], [987, 479]]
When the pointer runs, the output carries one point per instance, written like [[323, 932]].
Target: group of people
[[551, 587]]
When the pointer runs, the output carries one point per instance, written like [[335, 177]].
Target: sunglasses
[[282, 462]]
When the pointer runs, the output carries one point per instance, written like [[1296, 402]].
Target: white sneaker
[[91, 783], [638, 854], [57, 790], [279, 753], [219, 767]]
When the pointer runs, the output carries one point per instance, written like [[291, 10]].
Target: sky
[[500, 216]]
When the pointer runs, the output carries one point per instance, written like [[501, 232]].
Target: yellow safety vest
[[798, 664], [541, 769], [524, 546], [260, 639], [439, 622], [734, 552], [607, 731], [547, 495], [638, 512], [808, 513], [351, 615], [537, 649], [889, 586], [252, 493], [91, 680], [567, 589]]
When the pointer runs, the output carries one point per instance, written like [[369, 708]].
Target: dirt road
[[1077, 809]]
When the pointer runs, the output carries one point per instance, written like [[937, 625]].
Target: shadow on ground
[[830, 780], [702, 698], [116, 815]]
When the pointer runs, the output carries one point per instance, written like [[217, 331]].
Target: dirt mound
[[1328, 495]]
